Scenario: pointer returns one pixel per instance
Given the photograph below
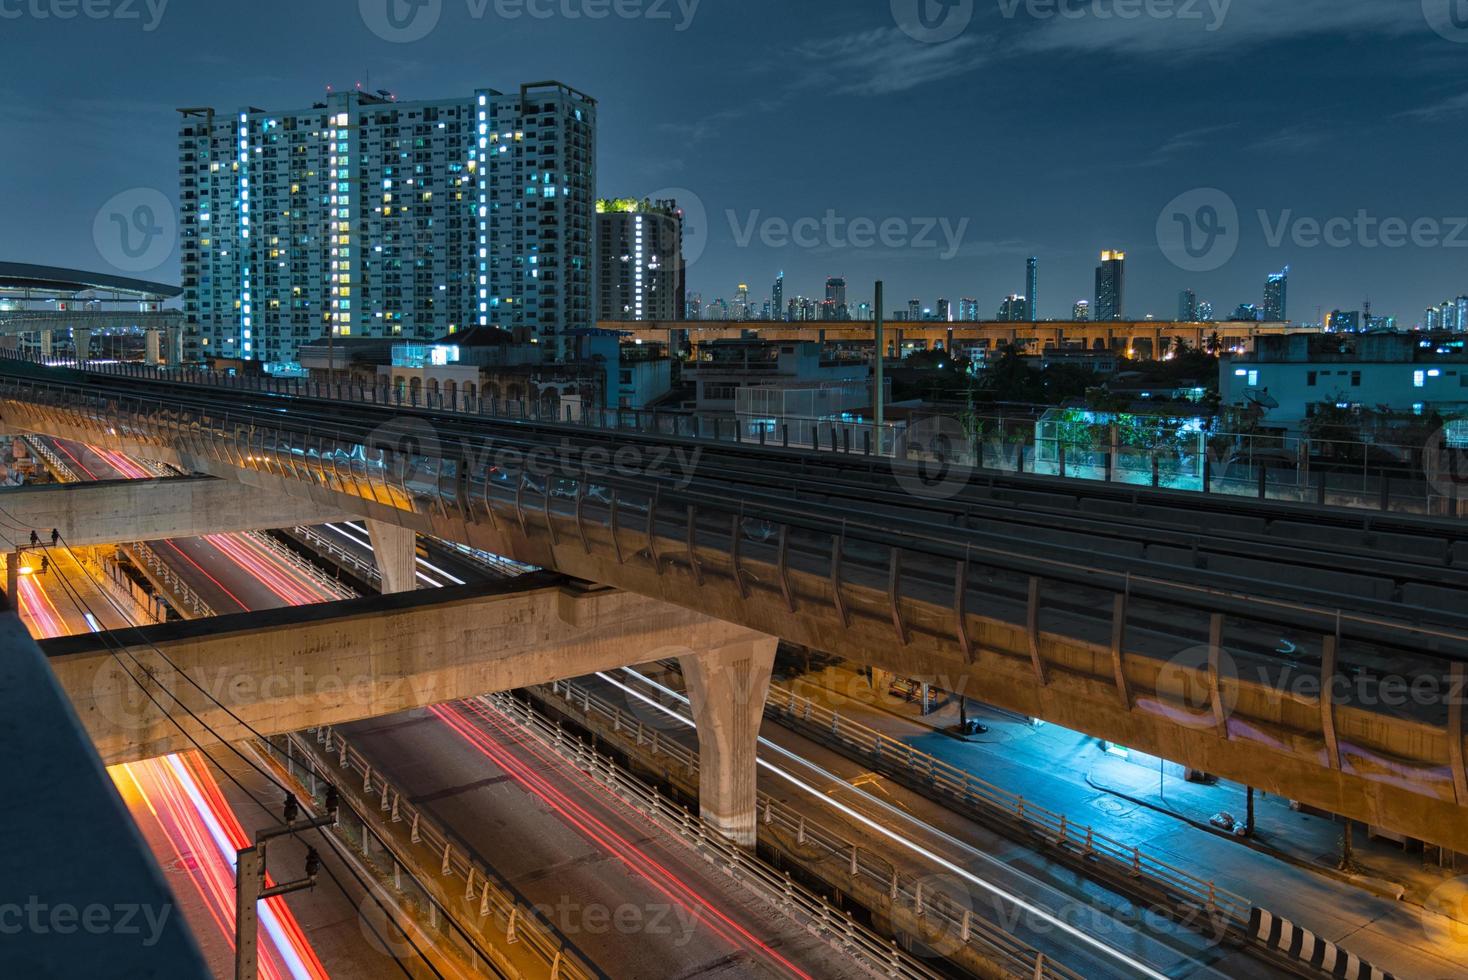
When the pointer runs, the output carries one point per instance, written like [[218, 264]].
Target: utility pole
[[880, 376], [249, 881]]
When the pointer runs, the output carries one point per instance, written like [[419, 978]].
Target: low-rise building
[[723, 367], [1288, 379]]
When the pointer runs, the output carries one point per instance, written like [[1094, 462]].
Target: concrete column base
[[727, 688], [396, 551]]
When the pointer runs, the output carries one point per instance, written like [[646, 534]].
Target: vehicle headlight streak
[[896, 838], [588, 824]]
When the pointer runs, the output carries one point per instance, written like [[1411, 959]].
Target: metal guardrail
[[919, 899], [502, 917], [63, 472], [945, 782], [812, 912], [315, 574], [366, 570], [1242, 472], [167, 579]]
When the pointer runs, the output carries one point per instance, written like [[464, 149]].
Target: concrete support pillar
[[46, 345], [82, 338], [173, 346], [727, 688], [153, 354], [396, 551]]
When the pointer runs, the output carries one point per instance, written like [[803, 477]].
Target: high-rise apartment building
[[1081, 311], [1110, 286], [1014, 308], [914, 310], [777, 298], [1276, 296], [639, 247], [1032, 287], [1205, 312], [1187, 306], [835, 307], [945, 311], [363, 216], [968, 310]]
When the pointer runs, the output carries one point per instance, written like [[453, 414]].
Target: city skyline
[[662, 136]]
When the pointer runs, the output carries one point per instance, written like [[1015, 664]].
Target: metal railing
[[813, 913], [167, 580], [1188, 894], [1303, 469], [826, 853], [63, 472], [502, 916], [289, 557], [366, 570]]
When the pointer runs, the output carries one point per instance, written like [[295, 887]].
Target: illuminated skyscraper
[[777, 298], [1110, 286], [1187, 306], [1276, 296], [1032, 287], [1081, 311]]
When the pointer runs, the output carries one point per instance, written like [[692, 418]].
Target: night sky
[[1025, 132]]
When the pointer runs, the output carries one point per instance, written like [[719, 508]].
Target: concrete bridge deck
[[1226, 679]]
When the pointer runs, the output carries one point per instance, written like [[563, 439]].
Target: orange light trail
[[589, 825], [203, 834]]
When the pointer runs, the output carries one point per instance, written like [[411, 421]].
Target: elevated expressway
[[1195, 628]]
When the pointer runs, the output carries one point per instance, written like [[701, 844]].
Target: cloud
[[884, 61], [1453, 106], [1201, 27]]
